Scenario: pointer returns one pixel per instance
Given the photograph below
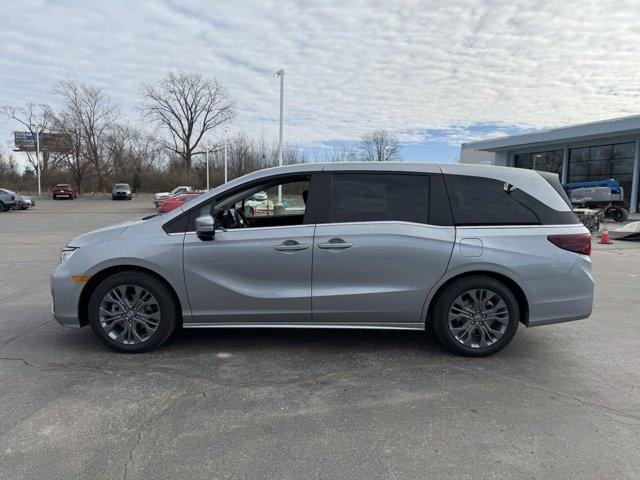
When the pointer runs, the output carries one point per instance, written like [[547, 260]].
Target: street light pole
[[208, 150], [226, 129], [280, 73], [38, 161]]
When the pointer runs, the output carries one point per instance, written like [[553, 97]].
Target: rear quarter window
[[487, 201]]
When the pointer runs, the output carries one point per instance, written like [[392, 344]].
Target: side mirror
[[205, 227]]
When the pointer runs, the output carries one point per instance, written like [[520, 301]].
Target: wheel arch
[[523, 303], [98, 277]]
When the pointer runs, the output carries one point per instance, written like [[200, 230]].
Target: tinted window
[[177, 225], [485, 201], [259, 205], [364, 197]]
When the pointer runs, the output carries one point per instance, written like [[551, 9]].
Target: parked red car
[[168, 204], [64, 190]]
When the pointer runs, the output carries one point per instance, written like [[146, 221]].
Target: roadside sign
[[50, 142], [25, 141]]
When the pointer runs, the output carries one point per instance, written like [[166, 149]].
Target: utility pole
[[38, 160], [280, 73], [226, 129], [208, 150]]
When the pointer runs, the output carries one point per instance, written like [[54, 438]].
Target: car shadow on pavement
[[280, 350], [304, 340]]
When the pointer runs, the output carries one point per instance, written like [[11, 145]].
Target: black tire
[[54, 197], [168, 310], [618, 214], [3, 208], [451, 293]]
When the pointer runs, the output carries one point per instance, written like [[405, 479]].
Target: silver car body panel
[[387, 278], [557, 283], [240, 276], [145, 246], [383, 276]]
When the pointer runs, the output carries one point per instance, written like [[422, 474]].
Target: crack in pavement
[[548, 390], [18, 360], [145, 426], [304, 381], [24, 333], [28, 289]]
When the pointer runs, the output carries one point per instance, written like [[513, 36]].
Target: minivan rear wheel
[[132, 312], [476, 316]]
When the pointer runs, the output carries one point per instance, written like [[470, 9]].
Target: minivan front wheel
[[132, 312], [476, 316]]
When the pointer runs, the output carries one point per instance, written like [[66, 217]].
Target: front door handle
[[290, 246], [335, 244]]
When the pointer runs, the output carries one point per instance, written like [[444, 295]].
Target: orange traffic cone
[[605, 238]]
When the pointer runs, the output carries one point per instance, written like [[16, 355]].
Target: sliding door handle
[[290, 246], [335, 244]]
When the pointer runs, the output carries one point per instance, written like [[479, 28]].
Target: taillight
[[574, 242]]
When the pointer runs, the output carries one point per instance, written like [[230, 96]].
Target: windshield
[[63, 185], [121, 185]]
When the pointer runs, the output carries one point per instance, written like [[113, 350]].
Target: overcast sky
[[435, 73]]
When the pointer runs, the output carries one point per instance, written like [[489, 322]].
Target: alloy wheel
[[129, 314], [478, 318]]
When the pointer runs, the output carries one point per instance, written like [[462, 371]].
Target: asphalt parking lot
[[561, 401]]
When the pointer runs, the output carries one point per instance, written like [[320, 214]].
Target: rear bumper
[[562, 299]]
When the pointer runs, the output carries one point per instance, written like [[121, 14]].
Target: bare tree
[[91, 114], [74, 160], [379, 146], [339, 152], [187, 106], [36, 119], [129, 150]]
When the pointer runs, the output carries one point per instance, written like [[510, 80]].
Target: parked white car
[[176, 191]]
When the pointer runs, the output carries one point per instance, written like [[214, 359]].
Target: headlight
[[66, 252]]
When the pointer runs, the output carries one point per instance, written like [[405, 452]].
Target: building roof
[[604, 128]]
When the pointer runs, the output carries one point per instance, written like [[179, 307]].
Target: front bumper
[[65, 297], [122, 195]]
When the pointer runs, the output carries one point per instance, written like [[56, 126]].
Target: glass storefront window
[[601, 162], [579, 155], [623, 150], [602, 152], [549, 161]]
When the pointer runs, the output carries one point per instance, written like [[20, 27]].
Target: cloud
[[426, 70]]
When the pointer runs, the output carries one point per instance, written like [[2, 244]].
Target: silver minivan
[[467, 251]]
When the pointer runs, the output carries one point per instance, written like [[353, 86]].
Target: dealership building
[[578, 153]]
